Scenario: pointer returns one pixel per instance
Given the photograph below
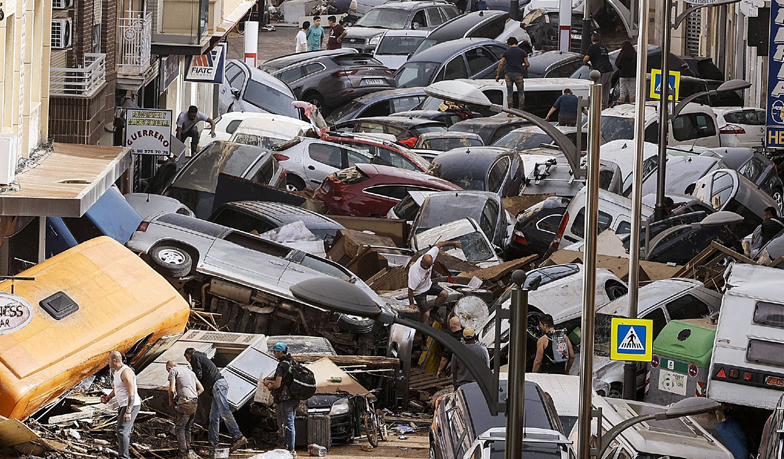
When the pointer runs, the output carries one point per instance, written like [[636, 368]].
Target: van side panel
[[121, 301]]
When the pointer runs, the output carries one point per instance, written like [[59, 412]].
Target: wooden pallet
[[422, 380], [709, 265]]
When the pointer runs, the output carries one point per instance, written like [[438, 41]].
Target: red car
[[367, 190]]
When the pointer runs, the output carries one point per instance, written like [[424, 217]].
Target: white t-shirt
[[418, 277], [302, 39], [184, 122], [120, 392]]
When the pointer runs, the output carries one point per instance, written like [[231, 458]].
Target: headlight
[[374, 41], [339, 407]]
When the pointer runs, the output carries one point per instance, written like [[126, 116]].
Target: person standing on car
[[336, 33], [460, 373], [627, 71], [456, 331], [554, 353], [215, 384], [301, 40], [566, 104], [285, 403], [125, 390], [315, 35], [516, 61], [420, 284], [184, 390], [187, 126], [600, 60]]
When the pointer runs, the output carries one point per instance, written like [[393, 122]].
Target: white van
[[695, 125], [747, 367]]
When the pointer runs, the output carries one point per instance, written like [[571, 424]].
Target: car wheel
[[615, 290], [171, 261], [315, 99], [294, 183], [616, 390], [778, 196], [354, 324]]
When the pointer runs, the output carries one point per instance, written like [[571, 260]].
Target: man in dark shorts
[[600, 60], [420, 284], [516, 61], [336, 33]]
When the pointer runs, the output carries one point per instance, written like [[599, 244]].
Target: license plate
[[772, 381], [373, 81], [672, 382]]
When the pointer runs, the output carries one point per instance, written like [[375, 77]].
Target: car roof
[[401, 121], [264, 77], [442, 51], [651, 110], [406, 33], [284, 61], [539, 84], [449, 135], [490, 121], [284, 213], [372, 170], [406, 5], [737, 157], [547, 58], [457, 27], [389, 94], [479, 415], [650, 295]]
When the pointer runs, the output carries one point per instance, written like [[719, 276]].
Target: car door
[[233, 82], [322, 159], [433, 17], [481, 62], [488, 221], [454, 69], [246, 259], [498, 177], [694, 129]]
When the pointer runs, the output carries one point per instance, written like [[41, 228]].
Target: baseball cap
[[279, 347], [468, 333]]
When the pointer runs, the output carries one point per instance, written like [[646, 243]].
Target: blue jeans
[[220, 410], [285, 412]]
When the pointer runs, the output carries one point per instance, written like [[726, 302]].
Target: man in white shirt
[[420, 283], [128, 401], [302, 38], [187, 126]]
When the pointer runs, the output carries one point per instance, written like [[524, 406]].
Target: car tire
[[778, 196], [354, 324], [615, 290], [616, 390], [171, 261], [315, 99], [294, 183]]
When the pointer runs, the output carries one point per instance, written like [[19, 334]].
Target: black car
[[554, 64], [493, 169], [263, 216], [478, 24], [381, 103], [328, 80], [680, 244], [461, 416], [462, 58], [754, 166], [490, 128], [535, 228], [403, 128]]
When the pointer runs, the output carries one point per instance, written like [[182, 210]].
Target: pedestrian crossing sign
[[631, 339], [656, 81]]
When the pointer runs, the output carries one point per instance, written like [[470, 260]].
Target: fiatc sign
[[774, 138], [148, 132], [207, 68]]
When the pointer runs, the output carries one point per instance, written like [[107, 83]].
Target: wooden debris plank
[[340, 360], [68, 417], [13, 432]]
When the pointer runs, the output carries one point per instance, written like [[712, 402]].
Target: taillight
[[142, 227], [341, 73], [559, 234], [389, 71], [280, 157], [519, 238], [732, 129]]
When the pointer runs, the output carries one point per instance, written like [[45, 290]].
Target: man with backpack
[[554, 353], [291, 383]]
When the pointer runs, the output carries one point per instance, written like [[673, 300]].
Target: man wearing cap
[[456, 332], [460, 373], [285, 403], [215, 384], [420, 284]]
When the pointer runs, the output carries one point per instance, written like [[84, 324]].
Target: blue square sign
[[631, 339]]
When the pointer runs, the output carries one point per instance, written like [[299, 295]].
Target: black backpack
[[559, 346], [303, 381]]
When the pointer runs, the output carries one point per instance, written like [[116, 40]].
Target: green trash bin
[[681, 360]]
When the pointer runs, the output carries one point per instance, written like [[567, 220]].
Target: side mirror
[[235, 92], [415, 25]]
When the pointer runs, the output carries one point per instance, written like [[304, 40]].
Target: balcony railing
[[83, 81], [134, 42]]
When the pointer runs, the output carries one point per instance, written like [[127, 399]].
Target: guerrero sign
[[148, 132], [207, 68], [15, 313], [774, 138]]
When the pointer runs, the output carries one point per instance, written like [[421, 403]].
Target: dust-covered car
[[493, 169]]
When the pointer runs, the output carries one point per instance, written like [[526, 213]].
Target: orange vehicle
[[59, 328]]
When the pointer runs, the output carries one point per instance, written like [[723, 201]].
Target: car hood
[[362, 32]]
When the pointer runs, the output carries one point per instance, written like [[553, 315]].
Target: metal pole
[[516, 383], [514, 10], [585, 41], [630, 368], [589, 268], [663, 118]]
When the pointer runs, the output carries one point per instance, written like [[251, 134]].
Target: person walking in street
[[566, 104], [125, 390], [460, 373], [285, 403], [600, 60], [627, 71], [301, 40], [184, 390], [214, 383], [420, 284], [336, 33], [554, 353], [456, 331], [315, 35], [187, 126], [516, 61]]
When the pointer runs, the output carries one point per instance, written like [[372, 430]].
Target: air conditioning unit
[[61, 4], [61, 33], [8, 148]]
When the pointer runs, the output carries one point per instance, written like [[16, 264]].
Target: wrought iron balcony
[[134, 43], [82, 81]]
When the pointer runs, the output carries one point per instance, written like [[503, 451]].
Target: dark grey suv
[[365, 34]]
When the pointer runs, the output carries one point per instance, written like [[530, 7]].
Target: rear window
[[201, 173], [765, 352], [398, 45], [270, 99], [771, 314], [752, 117], [616, 127]]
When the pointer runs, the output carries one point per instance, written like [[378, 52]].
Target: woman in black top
[[627, 71]]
